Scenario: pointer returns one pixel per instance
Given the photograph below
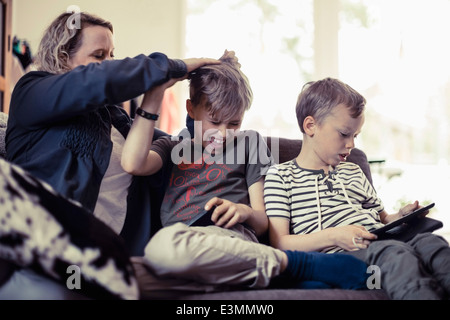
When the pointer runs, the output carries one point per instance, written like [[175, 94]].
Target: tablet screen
[[204, 218]]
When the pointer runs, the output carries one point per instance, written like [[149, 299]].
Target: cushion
[[56, 237]]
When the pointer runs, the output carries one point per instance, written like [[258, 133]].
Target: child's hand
[[403, 212], [408, 209], [154, 96], [351, 238], [227, 213]]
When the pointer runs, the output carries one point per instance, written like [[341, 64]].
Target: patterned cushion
[[41, 230]]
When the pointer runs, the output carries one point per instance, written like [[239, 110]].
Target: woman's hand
[[153, 97], [351, 238], [195, 63]]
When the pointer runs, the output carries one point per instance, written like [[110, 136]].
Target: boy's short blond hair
[[223, 88], [318, 98]]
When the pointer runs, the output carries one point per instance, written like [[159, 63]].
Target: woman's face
[[97, 45]]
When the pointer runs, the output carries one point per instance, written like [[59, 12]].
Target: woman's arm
[[40, 98], [137, 159]]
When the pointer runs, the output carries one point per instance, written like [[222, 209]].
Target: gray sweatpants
[[418, 269]]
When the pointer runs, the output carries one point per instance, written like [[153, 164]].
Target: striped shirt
[[313, 200]]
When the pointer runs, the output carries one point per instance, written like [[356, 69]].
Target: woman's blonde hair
[[62, 39]]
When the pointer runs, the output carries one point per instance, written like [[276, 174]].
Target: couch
[[38, 285]]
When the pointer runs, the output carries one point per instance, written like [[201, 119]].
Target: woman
[[66, 128]]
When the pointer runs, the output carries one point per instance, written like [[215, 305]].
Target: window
[[273, 41], [396, 53]]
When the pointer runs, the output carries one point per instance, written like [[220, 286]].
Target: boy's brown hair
[[318, 98], [223, 88]]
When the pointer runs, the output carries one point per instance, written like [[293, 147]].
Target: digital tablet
[[203, 218], [399, 226]]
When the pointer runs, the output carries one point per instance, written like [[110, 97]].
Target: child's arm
[[228, 214], [387, 218], [277, 198], [136, 157], [343, 237]]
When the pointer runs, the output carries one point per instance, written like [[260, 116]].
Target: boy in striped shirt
[[319, 202]]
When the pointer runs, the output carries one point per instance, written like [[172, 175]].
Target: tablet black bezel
[[402, 220]]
